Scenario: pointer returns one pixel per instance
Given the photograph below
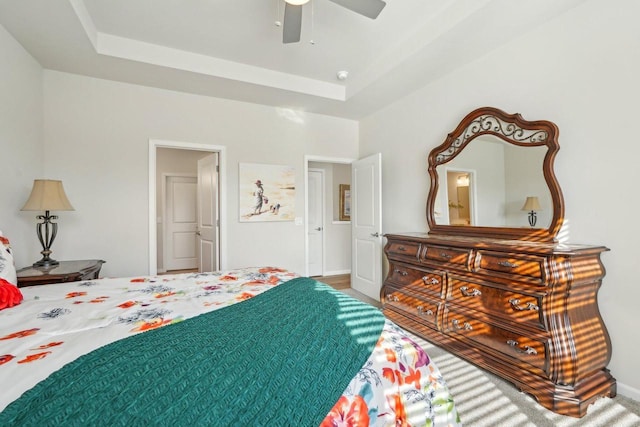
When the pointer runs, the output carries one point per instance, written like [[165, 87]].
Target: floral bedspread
[[55, 324]]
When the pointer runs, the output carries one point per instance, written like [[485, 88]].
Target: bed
[[252, 346]]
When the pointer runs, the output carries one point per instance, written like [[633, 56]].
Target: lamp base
[[46, 263], [47, 231]]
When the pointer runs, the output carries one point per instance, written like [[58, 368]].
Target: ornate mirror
[[493, 177]]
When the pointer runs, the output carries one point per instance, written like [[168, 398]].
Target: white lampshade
[[531, 204], [47, 195], [296, 2]]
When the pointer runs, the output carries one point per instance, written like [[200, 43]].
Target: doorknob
[[197, 233], [376, 234], [318, 228]]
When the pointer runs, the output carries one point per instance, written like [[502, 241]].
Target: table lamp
[[532, 205], [47, 195]]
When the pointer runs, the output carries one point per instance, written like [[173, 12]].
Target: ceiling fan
[[293, 14]]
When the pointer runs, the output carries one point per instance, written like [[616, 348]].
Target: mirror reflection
[[488, 184]]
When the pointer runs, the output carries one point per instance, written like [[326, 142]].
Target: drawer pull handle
[[392, 298], [421, 311], [507, 264], [466, 327], [445, 255], [430, 280], [470, 293], [402, 249], [515, 303], [401, 272], [527, 349]]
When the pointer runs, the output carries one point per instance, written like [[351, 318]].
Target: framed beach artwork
[[345, 202], [267, 192]]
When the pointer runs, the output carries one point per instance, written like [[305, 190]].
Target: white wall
[[97, 137], [579, 71], [524, 179], [20, 145]]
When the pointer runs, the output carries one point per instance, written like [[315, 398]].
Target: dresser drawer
[[403, 249], [423, 309], [417, 280], [447, 255], [530, 351], [510, 305], [524, 267]]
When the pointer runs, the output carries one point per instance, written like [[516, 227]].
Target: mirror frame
[[513, 129]]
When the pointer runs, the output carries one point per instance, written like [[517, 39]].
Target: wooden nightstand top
[[66, 271]]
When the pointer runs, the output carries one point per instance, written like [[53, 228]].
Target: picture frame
[[266, 192], [345, 202]]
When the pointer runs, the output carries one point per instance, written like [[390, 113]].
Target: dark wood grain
[[536, 325], [66, 271]]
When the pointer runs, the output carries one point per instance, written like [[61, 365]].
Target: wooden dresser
[[524, 311]]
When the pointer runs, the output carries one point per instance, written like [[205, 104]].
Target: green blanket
[[281, 358]]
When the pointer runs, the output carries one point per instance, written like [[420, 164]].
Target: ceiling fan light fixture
[[296, 2]]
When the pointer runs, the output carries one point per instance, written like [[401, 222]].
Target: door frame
[[154, 144], [323, 206], [307, 159]]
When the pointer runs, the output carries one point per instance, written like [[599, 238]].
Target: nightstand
[[66, 271]]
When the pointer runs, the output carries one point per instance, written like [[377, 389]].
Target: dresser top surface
[[502, 244]]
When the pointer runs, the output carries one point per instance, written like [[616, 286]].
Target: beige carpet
[[484, 400]]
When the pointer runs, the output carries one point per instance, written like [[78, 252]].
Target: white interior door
[[315, 222], [180, 231], [208, 225], [366, 225]]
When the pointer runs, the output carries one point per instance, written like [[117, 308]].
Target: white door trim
[[154, 144], [323, 220], [307, 159]]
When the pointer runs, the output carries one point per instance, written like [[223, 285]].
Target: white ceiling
[[233, 48]]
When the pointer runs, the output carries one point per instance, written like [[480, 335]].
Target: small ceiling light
[[463, 180], [296, 2], [342, 75]]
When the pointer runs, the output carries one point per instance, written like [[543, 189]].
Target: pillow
[[10, 295], [7, 267]]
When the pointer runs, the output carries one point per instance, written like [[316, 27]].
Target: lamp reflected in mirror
[[532, 205], [47, 195]]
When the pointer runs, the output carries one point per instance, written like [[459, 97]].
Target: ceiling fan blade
[[292, 23], [369, 8]]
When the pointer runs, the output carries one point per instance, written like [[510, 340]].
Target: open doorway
[[460, 197], [327, 236], [186, 207]]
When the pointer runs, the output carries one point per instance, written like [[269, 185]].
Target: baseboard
[[628, 391], [336, 272]]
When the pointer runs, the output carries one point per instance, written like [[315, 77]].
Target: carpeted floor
[[484, 400]]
